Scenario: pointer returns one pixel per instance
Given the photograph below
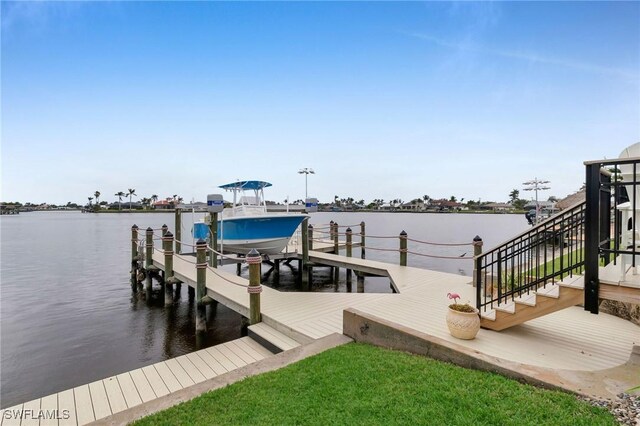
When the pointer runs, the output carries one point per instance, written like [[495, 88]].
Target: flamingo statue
[[454, 296]]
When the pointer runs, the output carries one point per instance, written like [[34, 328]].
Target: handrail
[[549, 251], [577, 205]]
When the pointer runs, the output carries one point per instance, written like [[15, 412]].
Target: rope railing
[[183, 243], [463, 257], [225, 278], [439, 244], [224, 256]]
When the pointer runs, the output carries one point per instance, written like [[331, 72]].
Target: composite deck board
[[213, 363], [191, 369], [143, 386], [157, 383], [242, 343], [240, 352], [233, 357], [180, 374], [257, 347], [50, 413], [66, 401], [129, 391], [31, 411], [167, 376], [114, 394], [13, 418], [99, 399], [204, 369], [221, 358], [84, 406]]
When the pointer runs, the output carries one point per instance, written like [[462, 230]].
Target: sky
[[382, 100]]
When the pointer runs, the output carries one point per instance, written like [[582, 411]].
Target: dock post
[[255, 261], [148, 261], [213, 232], [349, 233], [178, 230], [305, 254], [362, 240], [360, 283], [336, 250], [201, 285], [310, 234], [331, 230], [238, 268], [134, 257], [477, 251], [403, 248], [165, 229], [167, 247]]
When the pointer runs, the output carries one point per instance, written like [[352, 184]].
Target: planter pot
[[463, 325]]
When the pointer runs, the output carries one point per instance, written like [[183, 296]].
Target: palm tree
[[90, 198], [97, 195], [145, 202], [131, 193], [514, 195], [154, 198], [119, 194]]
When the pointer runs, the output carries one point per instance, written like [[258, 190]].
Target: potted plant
[[462, 319]]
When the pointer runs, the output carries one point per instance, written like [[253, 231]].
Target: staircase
[[536, 273], [547, 299]]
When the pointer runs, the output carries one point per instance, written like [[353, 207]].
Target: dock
[[569, 340]]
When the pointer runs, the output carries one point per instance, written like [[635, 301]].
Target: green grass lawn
[[362, 384]]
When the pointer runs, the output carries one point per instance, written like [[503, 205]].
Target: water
[[68, 317]]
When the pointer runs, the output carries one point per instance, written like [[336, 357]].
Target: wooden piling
[[213, 232], [336, 250], [362, 238], [477, 251], [403, 248], [148, 261], [178, 230], [167, 247], [255, 261], [134, 257], [349, 234], [360, 284], [238, 268], [305, 254], [310, 234], [201, 285]]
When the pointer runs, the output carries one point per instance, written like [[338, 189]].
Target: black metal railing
[[549, 252], [612, 203]]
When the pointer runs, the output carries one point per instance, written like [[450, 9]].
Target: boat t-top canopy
[[246, 184]]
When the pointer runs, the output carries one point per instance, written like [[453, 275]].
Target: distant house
[[409, 206], [446, 205], [499, 207], [163, 205]]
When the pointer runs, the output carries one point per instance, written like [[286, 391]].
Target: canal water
[[68, 317]]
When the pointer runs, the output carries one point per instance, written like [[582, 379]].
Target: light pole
[[306, 171], [536, 185]]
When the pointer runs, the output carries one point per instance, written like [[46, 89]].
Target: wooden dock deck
[[571, 339], [102, 398]]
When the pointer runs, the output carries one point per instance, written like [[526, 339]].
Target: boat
[[247, 225]]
